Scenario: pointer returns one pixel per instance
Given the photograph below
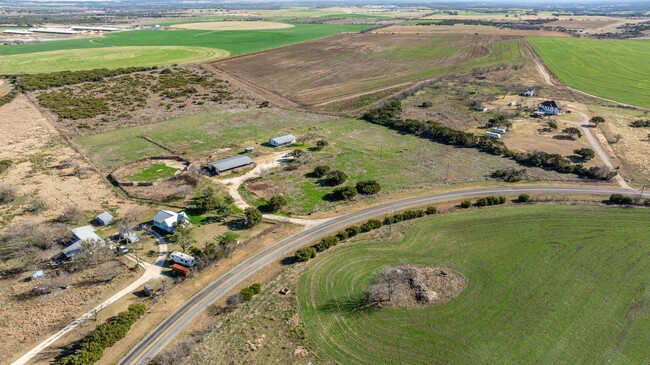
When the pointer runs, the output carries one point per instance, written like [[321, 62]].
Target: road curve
[[156, 340]]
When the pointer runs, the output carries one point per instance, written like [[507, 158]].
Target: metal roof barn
[[230, 163]]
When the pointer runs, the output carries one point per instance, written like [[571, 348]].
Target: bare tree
[[385, 285], [617, 137], [182, 236], [71, 214]]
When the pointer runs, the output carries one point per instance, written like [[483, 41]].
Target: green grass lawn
[[235, 41], [612, 69], [546, 285], [109, 57], [153, 173]]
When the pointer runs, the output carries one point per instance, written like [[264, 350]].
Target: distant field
[[109, 57], [546, 285], [235, 41], [612, 69], [232, 25], [330, 70]]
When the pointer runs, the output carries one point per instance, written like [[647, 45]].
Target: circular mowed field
[[233, 25], [109, 57], [545, 284]]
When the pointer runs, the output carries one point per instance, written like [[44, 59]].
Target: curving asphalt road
[[156, 340]]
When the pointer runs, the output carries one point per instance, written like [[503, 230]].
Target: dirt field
[[465, 29], [324, 73], [37, 152], [233, 25]]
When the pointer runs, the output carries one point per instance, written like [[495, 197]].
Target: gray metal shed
[[230, 163]]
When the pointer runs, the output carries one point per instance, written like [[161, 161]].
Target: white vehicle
[[492, 135], [182, 259], [498, 130]]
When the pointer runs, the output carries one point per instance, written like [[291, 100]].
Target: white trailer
[[492, 135], [498, 130], [182, 259]]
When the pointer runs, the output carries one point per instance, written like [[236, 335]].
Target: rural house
[[230, 163], [528, 93], [550, 107], [282, 140], [81, 235], [168, 220], [104, 219]]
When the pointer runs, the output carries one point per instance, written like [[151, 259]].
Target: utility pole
[[641, 194], [447, 177]]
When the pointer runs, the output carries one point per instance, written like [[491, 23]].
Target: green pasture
[[546, 285], [153, 173], [613, 69], [109, 57], [233, 41]]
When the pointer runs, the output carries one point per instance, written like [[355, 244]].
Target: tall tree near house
[[182, 235]]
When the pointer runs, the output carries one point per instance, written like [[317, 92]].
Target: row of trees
[[307, 253], [91, 347], [387, 115]]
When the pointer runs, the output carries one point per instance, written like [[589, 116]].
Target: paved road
[[173, 325]]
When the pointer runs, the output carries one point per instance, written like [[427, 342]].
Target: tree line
[[388, 115]]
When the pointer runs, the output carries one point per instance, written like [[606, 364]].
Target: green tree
[[345, 193], [322, 170], [336, 177], [322, 144], [597, 120], [305, 254], [465, 204], [276, 203], [523, 198], [212, 200], [181, 235], [369, 187], [552, 124], [253, 217], [572, 132], [586, 153]]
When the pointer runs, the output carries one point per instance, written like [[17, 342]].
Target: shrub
[[276, 203], [345, 193], [586, 153], [253, 216], [246, 294], [404, 216], [8, 193], [256, 288], [342, 235], [305, 254], [490, 200], [523, 198], [369, 187], [465, 204], [371, 225], [509, 175], [426, 104], [640, 123], [620, 199], [336, 177], [326, 243], [353, 231], [322, 170], [322, 144]]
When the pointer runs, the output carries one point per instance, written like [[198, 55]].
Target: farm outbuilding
[[81, 235], [282, 140], [104, 219], [230, 163]]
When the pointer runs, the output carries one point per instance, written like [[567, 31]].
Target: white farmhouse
[[168, 220]]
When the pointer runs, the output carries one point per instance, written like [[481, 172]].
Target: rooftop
[[230, 163]]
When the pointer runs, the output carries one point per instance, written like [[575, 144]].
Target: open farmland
[[110, 57], [369, 152], [546, 285], [217, 131], [235, 42], [616, 70], [232, 25], [367, 65]]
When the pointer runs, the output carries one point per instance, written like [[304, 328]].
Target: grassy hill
[[612, 69], [546, 285]]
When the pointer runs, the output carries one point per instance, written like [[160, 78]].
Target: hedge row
[[91, 348], [388, 115], [307, 253], [626, 200], [248, 293], [490, 200]]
